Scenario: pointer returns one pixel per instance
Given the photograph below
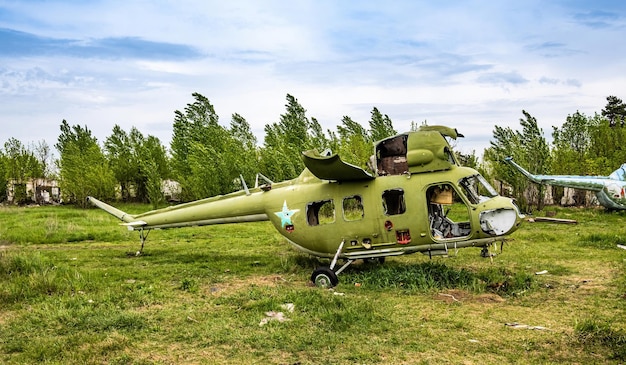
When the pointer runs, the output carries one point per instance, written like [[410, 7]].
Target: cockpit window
[[477, 189]]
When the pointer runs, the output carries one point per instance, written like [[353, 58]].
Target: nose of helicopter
[[504, 218]]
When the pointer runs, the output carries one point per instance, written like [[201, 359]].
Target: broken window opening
[[320, 212], [353, 208], [447, 213], [393, 202], [391, 156]]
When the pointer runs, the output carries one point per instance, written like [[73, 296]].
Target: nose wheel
[[326, 277]]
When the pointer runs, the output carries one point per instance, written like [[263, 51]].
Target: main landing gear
[[326, 276]]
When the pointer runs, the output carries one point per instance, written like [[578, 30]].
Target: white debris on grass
[[277, 316], [525, 326]]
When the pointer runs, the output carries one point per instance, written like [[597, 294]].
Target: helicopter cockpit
[[449, 214]]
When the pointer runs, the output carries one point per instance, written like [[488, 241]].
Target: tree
[[286, 140], [537, 152], [4, 181], [154, 169], [22, 166], [118, 151], [201, 151], [45, 158], [154, 185], [505, 143], [380, 126], [529, 148], [615, 111], [355, 144], [83, 168], [571, 143], [136, 162], [244, 147]]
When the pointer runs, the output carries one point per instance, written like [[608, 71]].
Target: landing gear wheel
[[324, 277], [485, 252], [373, 260]]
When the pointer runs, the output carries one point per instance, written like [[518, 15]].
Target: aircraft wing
[[333, 168], [593, 183]]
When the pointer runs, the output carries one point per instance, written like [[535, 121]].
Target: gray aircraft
[[610, 190]]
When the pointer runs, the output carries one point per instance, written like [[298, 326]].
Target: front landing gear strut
[[326, 277]]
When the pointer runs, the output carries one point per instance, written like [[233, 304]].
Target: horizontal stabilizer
[[111, 210], [135, 224]]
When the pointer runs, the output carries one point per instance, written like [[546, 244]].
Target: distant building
[[39, 191], [171, 190]]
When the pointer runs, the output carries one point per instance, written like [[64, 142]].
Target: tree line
[[582, 145], [206, 157]]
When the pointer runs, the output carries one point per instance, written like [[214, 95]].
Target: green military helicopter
[[416, 199]]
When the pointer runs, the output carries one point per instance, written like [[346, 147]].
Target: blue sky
[[466, 64]]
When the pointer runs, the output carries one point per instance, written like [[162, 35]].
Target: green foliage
[[615, 111], [355, 144], [204, 152], [153, 184], [189, 285], [380, 126], [32, 277], [19, 165], [21, 162], [82, 165], [52, 225], [431, 275], [138, 163], [4, 180], [602, 241], [244, 148], [528, 147], [200, 293], [594, 332], [286, 140], [120, 157]]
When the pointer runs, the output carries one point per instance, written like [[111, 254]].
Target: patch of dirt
[[229, 287], [590, 285], [488, 298], [460, 296]]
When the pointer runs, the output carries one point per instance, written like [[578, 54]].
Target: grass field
[[72, 291]]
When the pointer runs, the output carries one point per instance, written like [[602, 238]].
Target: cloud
[[552, 81], [598, 19], [21, 44], [551, 49], [469, 64], [513, 78]]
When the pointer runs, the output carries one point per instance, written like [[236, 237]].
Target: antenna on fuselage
[[243, 183], [268, 183]]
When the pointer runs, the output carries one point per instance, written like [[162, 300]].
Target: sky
[[470, 65]]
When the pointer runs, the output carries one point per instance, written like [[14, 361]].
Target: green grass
[[72, 291]]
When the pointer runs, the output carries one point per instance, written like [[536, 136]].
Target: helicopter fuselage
[[392, 215]]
